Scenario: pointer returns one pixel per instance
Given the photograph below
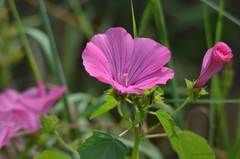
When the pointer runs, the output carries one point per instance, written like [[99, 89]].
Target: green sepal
[[48, 123], [194, 93]]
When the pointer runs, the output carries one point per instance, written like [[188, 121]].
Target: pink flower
[[213, 62], [129, 65], [21, 111]]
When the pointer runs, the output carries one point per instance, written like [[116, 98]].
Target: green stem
[[208, 101], [26, 45], [154, 127], [66, 146], [212, 125], [57, 63], [137, 139], [186, 101], [221, 110]]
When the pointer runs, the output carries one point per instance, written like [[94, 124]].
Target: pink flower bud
[[213, 62]]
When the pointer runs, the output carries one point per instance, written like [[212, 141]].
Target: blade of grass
[[84, 24], [24, 40], [215, 95], [145, 18], [44, 42], [225, 13], [133, 20], [56, 59], [72, 39], [161, 25], [207, 26]]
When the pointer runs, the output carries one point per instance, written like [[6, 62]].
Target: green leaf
[[187, 144], [44, 42], [102, 146], [110, 103], [51, 155], [133, 20]]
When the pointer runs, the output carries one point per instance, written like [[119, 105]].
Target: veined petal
[[148, 57], [129, 89], [159, 77], [117, 46], [96, 63]]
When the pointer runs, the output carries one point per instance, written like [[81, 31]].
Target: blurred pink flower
[[21, 111], [129, 65], [213, 62]]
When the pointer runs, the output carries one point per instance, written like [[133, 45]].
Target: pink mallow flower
[[21, 111], [213, 62], [129, 65]]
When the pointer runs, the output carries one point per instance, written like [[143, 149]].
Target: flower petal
[[117, 46], [96, 63], [147, 59], [6, 132], [210, 66], [41, 104], [159, 77], [40, 90]]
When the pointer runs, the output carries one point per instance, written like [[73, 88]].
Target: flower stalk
[[185, 102], [137, 139], [23, 38]]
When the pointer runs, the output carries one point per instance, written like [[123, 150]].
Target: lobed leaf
[[102, 146]]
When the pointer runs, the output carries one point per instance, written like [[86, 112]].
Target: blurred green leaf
[[85, 25], [110, 103], [187, 144], [102, 146], [145, 18], [72, 41], [160, 22], [51, 155], [234, 151], [44, 42]]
